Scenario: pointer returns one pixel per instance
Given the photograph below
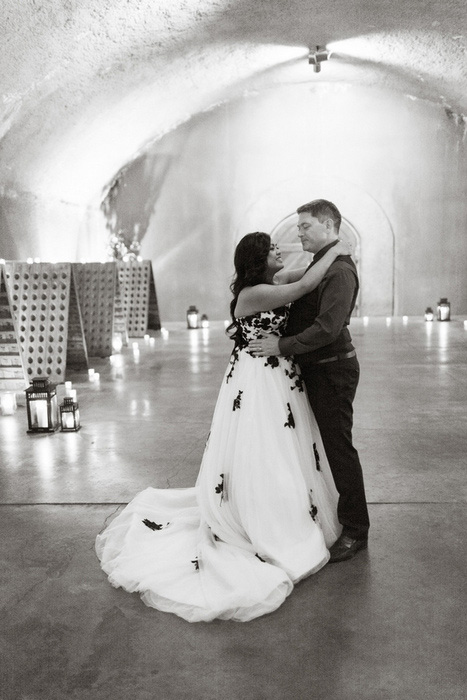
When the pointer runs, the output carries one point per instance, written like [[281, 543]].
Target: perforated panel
[[154, 321], [39, 295], [96, 293], [76, 352], [120, 319], [135, 283], [12, 374]]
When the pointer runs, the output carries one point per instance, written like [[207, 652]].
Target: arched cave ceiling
[[88, 84]]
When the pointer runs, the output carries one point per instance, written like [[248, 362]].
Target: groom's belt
[[334, 358]]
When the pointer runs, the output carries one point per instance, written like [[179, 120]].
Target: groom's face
[[313, 234]]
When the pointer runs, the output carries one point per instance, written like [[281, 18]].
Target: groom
[[318, 337]]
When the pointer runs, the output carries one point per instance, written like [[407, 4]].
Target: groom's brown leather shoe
[[345, 548]]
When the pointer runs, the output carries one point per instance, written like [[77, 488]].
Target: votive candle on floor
[[8, 404]]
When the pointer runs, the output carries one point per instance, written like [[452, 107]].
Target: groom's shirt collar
[[317, 256]]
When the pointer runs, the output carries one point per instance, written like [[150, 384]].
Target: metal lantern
[[204, 321], [429, 315], [192, 317], [41, 403], [444, 310], [69, 415]]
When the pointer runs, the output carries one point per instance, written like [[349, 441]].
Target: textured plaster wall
[[395, 166]]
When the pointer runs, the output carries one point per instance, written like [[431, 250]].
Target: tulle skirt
[[261, 516]]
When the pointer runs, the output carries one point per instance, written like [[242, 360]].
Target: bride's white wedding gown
[[261, 515]]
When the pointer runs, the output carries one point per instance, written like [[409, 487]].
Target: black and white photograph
[[233, 349]]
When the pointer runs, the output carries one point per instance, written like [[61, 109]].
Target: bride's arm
[[263, 297], [287, 276]]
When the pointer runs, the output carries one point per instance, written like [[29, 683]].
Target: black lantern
[[69, 415], [192, 317], [41, 403], [204, 321], [444, 310], [429, 315]]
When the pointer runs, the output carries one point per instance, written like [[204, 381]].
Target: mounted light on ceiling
[[315, 58]]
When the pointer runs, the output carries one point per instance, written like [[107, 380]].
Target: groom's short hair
[[322, 209]]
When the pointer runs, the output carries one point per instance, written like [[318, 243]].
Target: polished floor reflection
[[387, 625]]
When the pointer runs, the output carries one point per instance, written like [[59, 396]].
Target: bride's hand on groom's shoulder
[[265, 345], [343, 247]]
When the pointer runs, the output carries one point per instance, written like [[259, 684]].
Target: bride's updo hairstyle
[[250, 260]]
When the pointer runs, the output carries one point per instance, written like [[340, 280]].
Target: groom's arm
[[336, 294]]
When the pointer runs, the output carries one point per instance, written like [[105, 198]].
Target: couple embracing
[[280, 490]]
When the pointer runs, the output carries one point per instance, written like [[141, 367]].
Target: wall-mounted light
[[315, 58]]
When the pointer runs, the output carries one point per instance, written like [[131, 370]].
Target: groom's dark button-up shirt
[[318, 321]]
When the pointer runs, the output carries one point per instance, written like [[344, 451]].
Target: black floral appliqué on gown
[[203, 553]]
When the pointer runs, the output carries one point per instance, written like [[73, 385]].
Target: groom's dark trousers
[[331, 389], [318, 336]]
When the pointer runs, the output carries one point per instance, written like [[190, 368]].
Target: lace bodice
[[273, 321]]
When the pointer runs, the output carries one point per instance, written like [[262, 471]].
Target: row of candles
[[44, 413]]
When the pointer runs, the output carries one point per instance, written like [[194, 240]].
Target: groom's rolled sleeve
[[336, 294]]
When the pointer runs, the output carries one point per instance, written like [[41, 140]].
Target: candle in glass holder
[[8, 404], [68, 421], [117, 343], [39, 415], [91, 374]]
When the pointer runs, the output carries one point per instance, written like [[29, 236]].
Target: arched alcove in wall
[[364, 218], [293, 255]]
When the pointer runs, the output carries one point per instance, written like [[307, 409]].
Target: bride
[[262, 514]]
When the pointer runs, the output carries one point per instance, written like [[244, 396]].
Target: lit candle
[[226, 323], [164, 333], [8, 404], [152, 342], [117, 343], [91, 374], [135, 346], [146, 339], [405, 319], [388, 320], [365, 320], [39, 413], [72, 394], [68, 388], [68, 420], [465, 325], [97, 377]]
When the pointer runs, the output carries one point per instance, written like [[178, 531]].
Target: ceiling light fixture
[[315, 58]]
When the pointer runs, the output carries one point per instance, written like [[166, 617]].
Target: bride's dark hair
[[250, 260]]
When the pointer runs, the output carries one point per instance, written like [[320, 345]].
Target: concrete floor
[[387, 625]]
